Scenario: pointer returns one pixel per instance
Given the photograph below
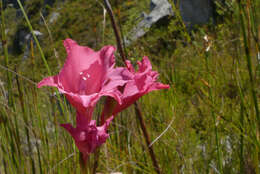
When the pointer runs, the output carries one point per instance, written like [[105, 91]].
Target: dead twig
[[137, 108]]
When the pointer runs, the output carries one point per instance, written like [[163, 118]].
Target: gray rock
[[193, 12], [196, 12], [27, 42], [159, 9], [53, 17]]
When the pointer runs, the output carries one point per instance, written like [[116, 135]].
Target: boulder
[[196, 12], [193, 12], [22, 42], [27, 42], [159, 9]]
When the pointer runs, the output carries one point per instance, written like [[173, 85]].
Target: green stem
[[246, 40], [249, 63], [242, 138], [46, 66], [242, 119], [9, 78], [34, 37], [219, 153], [5, 49], [40, 50]]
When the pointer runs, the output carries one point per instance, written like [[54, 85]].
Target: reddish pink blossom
[[87, 135], [87, 75], [140, 83]]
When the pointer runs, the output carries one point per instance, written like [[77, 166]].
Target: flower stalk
[[83, 164], [137, 108]]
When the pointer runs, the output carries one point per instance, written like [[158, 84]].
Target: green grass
[[212, 93]]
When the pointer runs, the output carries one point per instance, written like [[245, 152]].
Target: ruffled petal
[[89, 136], [144, 66], [116, 77], [129, 66], [138, 84]]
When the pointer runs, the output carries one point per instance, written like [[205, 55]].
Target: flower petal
[[89, 137], [85, 66], [87, 76], [49, 81], [138, 84]]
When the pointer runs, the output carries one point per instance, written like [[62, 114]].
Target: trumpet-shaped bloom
[[140, 83], [87, 135], [87, 75]]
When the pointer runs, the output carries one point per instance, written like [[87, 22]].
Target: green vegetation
[[214, 91]]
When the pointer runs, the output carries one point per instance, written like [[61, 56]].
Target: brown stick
[[96, 157], [137, 109], [96, 154], [147, 138], [118, 40], [83, 164]]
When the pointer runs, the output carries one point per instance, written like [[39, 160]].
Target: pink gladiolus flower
[[140, 83], [87, 135], [87, 76]]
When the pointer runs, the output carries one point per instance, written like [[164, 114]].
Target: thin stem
[[9, 78], [97, 152], [242, 117], [118, 40], [137, 108], [96, 158], [34, 37], [254, 23], [5, 49], [40, 50], [219, 154], [83, 164], [241, 154], [51, 39], [120, 27], [246, 39], [249, 63], [147, 137]]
